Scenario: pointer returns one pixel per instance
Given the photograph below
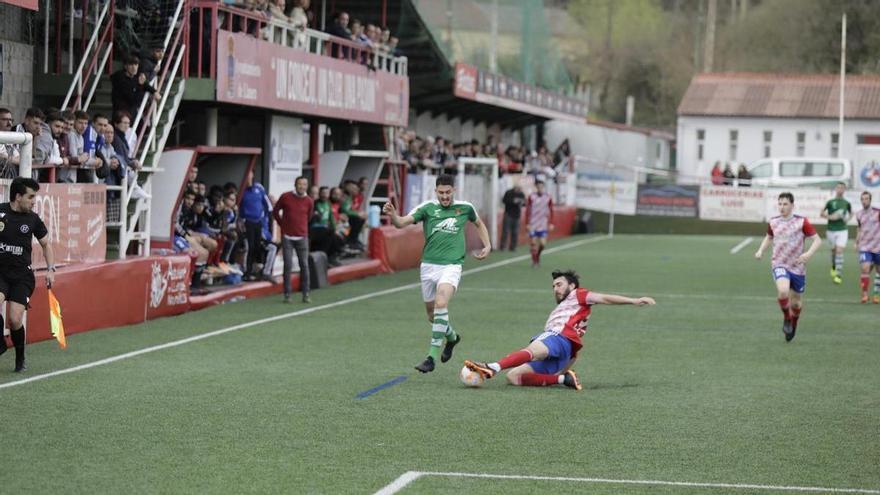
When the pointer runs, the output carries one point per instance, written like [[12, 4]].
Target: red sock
[[795, 314], [783, 304], [538, 380], [515, 359], [864, 281]]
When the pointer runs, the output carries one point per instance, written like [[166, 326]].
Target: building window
[[734, 138], [701, 138], [801, 143], [768, 141], [835, 145]]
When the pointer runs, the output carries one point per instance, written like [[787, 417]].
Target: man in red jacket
[[292, 212]]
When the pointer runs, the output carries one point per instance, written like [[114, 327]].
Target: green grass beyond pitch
[[700, 388]]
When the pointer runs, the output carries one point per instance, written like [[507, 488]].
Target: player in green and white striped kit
[[444, 221], [837, 210]]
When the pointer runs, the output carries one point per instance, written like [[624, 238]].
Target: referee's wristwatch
[[50, 268]]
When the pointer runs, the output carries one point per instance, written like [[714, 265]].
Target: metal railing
[[93, 61], [208, 16]]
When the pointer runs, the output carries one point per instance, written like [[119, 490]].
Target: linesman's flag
[[55, 320]]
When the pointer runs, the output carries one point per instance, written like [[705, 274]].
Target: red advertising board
[[27, 4], [75, 215], [485, 87], [258, 73]]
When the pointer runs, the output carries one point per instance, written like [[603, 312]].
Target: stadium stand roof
[[744, 94]]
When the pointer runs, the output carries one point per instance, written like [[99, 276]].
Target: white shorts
[[837, 237], [432, 275]]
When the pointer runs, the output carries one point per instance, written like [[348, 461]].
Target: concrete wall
[[750, 139], [16, 65]]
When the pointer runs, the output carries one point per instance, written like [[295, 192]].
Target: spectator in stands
[[129, 87], [393, 50], [255, 208], [93, 141], [235, 239], [744, 178], [340, 217], [150, 62], [54, 157], [339, 28], [115, 175], [717, 174], [86, 162], [358, 34], [363, 185], [121, 144], [293, 210], [300, 20], [322, 228], [728, 175], [9, 154], [562, 153], [192, 179], [514, 199], [313, 192]]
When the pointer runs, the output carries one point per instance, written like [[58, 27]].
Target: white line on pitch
[[401, 482], [195, 338], [745, 242]]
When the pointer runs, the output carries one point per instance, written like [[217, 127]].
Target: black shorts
[[17, 284]]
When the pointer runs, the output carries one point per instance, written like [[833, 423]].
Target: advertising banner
[[169, 286], [258, 73], [606, 195], [474, 84], [668, 200], [809, 203], [75, 216], [734, 204], [285, 154]]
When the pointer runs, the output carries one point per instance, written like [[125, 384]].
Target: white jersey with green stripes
[[444, 229]]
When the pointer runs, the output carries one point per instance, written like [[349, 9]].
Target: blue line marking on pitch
[[364, 395]]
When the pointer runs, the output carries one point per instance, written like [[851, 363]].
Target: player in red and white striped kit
[[549, 357], [539, 219], [789, 233], [868, 246]]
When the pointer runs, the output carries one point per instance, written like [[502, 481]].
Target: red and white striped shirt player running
[[789, 233], [549, 357], [868, 245], [539, 219]]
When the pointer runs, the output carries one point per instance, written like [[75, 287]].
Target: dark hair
[[868, 193], [445, 180], [68, 115], [229, 194], [200, 199], [131, 60], [189, 192], [5, 110], [53, 117], [570, 276], [301, 177], [539, 182], [34, 113], [80, 115], [841, 183], [20, 185], [119, 115], [787, 195], [98, 116], [230, 187]]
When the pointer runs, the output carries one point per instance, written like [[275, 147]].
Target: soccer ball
[[470, 378]]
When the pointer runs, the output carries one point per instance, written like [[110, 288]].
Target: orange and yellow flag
[[55, 320]]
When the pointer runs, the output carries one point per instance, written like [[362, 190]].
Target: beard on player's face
[[565, 291]]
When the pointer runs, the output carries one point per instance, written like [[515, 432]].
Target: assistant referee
[[18, 226]]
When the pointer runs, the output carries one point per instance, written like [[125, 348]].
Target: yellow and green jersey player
[[838, 211], [443, 222]]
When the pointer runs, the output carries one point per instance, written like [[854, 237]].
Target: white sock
[[495, 367], [561, 379]]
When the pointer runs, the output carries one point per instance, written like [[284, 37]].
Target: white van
[[801, 171]]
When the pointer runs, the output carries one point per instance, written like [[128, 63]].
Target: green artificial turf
[[700, 388]]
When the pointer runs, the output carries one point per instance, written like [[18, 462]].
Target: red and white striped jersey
[[788, 235], [869, 230], [564, 319], [539, 212]]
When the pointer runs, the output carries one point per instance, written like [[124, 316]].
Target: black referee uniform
[[17, 229]]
